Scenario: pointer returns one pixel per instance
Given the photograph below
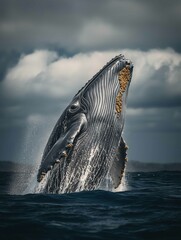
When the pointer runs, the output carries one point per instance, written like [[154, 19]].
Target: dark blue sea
[[150, 208]]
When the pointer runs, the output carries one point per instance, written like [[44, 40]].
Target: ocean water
[[148, 208]]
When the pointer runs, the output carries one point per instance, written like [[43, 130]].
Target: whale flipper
[[119, 163], [63, 146]]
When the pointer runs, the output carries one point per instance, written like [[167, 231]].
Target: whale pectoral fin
[[119, 163], [63, 146]]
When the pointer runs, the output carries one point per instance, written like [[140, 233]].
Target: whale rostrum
[[86, 145]]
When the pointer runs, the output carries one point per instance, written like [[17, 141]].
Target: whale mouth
[[124, 78]]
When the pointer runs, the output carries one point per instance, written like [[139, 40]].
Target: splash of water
[[106, 184], [29, 157], [27, 182]]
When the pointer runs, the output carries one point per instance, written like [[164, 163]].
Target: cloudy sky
[[50, 48]]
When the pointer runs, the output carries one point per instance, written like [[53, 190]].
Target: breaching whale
[[86, 144]]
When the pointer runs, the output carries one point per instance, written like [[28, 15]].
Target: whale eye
[[74, 107]]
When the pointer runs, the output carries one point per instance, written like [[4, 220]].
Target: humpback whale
[[86, 144]]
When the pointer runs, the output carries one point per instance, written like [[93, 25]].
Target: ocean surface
[[148, 208]]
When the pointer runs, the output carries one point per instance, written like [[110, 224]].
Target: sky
[[50, 48]]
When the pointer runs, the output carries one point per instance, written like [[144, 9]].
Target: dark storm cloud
[[85, 25], [156, 91], [156, 79], [7, 60]]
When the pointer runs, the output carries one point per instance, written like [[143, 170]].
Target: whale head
[[107, 91]]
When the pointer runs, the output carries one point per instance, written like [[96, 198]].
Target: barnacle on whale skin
[[124, 78]]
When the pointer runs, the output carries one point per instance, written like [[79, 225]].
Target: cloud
[[153, 119], [44, 73], [25, 77], [84, 25]]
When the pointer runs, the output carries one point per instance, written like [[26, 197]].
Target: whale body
[[86, 144]]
